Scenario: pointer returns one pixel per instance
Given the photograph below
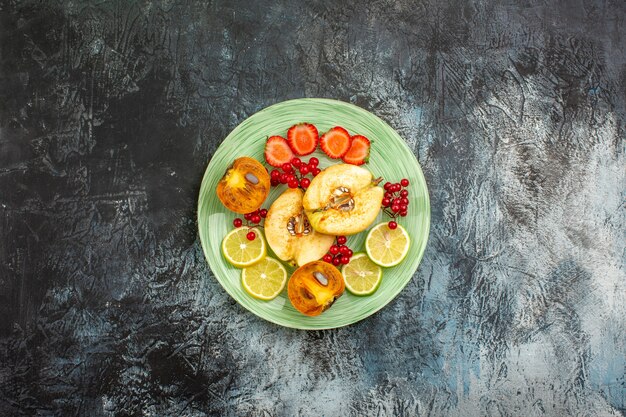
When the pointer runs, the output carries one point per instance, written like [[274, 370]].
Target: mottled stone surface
[[111, 110]]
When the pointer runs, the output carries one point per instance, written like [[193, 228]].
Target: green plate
[[389, 158]]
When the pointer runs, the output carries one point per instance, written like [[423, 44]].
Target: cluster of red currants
[[252, 219], [294, 173], [338, 253], [396, 200]]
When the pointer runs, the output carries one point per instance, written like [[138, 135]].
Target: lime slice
[[264, 280], [362, 276], [387, 247], [240, 251]]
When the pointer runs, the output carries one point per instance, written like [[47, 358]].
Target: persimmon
[[314, 287], [244, 186]]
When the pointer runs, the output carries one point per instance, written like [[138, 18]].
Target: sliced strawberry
[[336, 142], [277, 151], [359, 151], [302, 138]]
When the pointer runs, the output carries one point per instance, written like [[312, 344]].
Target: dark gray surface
[[110, 112]]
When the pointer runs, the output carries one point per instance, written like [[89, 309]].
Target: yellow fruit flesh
[[322, 295], [234, 179], [367, 198], [342, 175], [336, 222], [297, 249]]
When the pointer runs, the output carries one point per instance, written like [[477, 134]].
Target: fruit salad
[[307, 226]]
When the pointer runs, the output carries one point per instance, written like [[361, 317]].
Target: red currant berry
[[287, 167], [403, 207], [388, 195], [395, 208], [334, 250], [328, 258], [403, 213], [275, 174], [293, 183], [291, 177], [314, 161], [274, 182], [251, 236], [263, 213], [404, 201], [247, 216], [396, 201], [387, 186], [336, 261], [255, 219], [342, 240], [386, 202], [237, 222], [392, 225], [404, 182], [304, 169], [315, 171], [296, 162], [345, 260], [344, 250], [350, 253], [305, 182], [404, 193], [283, 179]]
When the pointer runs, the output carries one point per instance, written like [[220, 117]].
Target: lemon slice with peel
[[265, 279], [361, 275], [240, 251], [387, 247]]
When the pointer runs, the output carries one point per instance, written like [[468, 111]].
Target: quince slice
[[288, 231], [343, 199]]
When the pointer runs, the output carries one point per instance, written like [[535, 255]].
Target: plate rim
[[326, 101]]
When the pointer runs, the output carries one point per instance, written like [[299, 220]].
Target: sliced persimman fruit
[[244, 186], [314, 287]]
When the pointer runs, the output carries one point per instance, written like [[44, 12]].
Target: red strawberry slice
[[277, 151], [359, 151], [336, 142], [302, 138]]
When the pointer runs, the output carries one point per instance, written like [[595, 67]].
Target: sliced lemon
[[240, 251], [387, 247], [362, 276], [264, 280]]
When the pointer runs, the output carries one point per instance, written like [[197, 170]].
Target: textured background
[[111, 110]]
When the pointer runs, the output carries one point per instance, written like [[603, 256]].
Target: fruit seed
[[252, 178], [321, 278]]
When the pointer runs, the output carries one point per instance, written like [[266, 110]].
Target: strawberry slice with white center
[[336, 142], [359, 151], [277, 151], [302, 138]]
